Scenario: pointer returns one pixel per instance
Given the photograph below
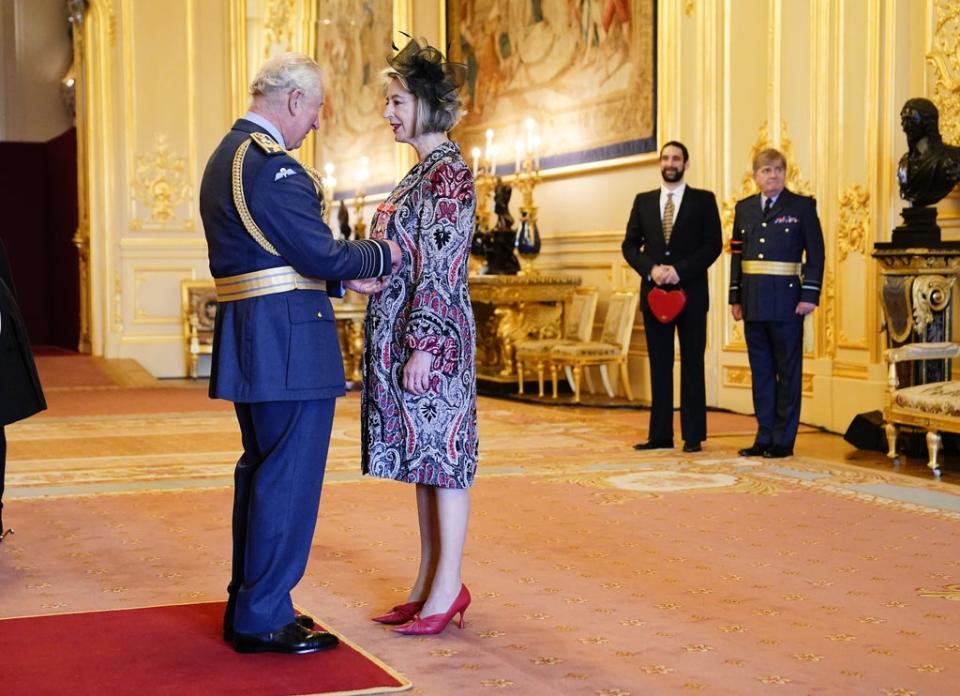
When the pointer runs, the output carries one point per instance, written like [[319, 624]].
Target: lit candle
[[536, 152], [493, 159], [476, 160], [519, 148]]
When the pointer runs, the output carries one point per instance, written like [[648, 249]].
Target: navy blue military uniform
[[276, 356], [777, 262]]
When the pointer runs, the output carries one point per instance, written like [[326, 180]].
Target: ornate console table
[[510, 308], [917, 287]]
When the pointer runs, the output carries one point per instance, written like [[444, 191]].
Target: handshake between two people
[[371, 286]]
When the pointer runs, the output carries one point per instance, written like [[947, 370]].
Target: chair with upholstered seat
[[933, 407], [577, 326], [611, 349]]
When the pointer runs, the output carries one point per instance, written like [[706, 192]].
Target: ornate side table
[[510, 308], [917, 287]]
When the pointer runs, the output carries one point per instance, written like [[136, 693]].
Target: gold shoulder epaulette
[[267, 144]]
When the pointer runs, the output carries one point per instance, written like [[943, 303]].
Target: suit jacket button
[[759, 256], [762, 240], [319, 315], [668, 253], [787, 229]]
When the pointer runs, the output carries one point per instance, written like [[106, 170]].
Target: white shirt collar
[[677, 192], [266, 125]]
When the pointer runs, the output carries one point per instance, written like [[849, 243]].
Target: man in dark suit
[[275, 350], [20, 392], [673, 236], [776, 273]]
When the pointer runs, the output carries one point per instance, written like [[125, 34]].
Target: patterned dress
[[431, 438]]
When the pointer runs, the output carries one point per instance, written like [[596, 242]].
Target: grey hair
[[439, 119], [287, 72]]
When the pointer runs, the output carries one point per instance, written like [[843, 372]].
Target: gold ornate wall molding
[[829, 312], [279, 27], [854, 228], [943, 61], [742, 378], [159, 185]]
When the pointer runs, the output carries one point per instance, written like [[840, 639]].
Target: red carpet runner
[[169, 650]]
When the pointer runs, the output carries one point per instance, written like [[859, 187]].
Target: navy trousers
[[775, 350], [277, 486], [691, 327]]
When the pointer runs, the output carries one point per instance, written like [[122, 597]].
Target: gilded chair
[[933, 407], [611, 349], [577, 327], [199, 302]]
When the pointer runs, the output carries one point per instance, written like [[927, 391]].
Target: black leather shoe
[[754, 450], [653, 444], [692, 447], [292, 638], [304, 621], [777, 452]]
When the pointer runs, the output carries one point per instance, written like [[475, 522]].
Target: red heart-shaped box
[[666, 305]]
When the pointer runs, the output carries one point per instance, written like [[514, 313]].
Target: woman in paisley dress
[[419, 412]]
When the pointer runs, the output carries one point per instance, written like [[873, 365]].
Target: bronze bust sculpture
[[927, 172], [930, 169]]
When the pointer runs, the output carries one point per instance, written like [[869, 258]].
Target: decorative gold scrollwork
[[160, 183], [279, 25], [829, 313], [931, 293], [944, 65], [854, 221]]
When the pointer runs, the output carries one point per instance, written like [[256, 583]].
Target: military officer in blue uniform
[[776, 275], [275, 350]]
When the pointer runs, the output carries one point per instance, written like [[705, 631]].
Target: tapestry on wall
[[353, 42], [583, 69]]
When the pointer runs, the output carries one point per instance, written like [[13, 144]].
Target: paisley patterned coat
[[431, 438]]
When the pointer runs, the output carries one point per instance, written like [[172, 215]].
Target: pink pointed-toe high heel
[[400, 614], [435, 623]]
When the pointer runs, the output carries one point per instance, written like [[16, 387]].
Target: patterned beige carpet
[[594, 569]]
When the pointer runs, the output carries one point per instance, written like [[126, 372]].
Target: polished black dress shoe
[[692, 447], [754, 450], [292, 638], [304, 621], [653, 444], [777, 452]]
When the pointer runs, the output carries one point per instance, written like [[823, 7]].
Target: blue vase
[[528, 237]]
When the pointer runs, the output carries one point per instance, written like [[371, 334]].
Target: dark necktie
[[767, 206], [668, 218]]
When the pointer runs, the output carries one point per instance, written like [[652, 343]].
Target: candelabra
[[525, 179]]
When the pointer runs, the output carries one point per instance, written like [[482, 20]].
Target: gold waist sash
[[266, 282], [777, 268]]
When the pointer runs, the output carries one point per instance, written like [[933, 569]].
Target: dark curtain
[[38, 192]]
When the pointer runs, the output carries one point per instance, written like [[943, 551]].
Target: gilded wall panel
[[159, 114]]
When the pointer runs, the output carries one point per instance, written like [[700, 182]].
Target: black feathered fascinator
[[426, 73]]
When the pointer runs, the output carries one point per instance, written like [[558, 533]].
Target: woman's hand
[[416, 373]]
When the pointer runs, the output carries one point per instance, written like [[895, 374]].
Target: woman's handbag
[[666, 305]]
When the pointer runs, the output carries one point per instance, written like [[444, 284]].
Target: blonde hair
[[768, 156]]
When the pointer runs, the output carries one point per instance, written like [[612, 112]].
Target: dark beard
[[671, 176]]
